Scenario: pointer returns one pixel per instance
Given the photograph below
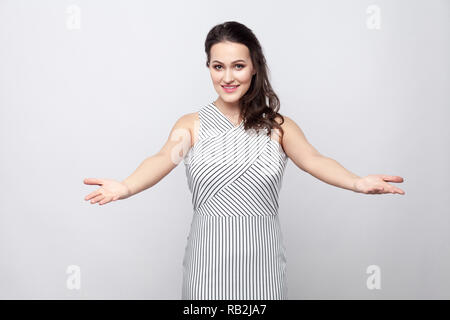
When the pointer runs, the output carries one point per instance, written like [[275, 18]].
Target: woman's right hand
[[110, 190]]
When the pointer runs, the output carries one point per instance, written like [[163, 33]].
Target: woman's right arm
[[152, 169], [157, 166]]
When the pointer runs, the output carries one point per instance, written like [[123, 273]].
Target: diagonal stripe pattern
[[235, 246]]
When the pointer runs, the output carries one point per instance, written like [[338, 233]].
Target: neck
[[228, 107], [231, 109]]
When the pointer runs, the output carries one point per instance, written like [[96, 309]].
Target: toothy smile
[[230, 88]]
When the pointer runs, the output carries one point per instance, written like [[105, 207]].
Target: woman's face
[[231, 65]]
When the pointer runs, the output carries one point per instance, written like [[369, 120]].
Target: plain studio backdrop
[[92, 88]]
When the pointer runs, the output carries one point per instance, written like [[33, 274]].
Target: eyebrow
[[232, 62]]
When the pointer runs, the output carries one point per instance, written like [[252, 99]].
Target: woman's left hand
[[376, 184]]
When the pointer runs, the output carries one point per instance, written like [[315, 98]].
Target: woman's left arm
[[328, 170]]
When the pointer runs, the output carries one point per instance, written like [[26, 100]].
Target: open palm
[[377, 184], [110, 190]]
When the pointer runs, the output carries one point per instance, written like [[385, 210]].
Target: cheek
[[215, 77], [244, 77]]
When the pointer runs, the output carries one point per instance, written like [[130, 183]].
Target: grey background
[[95, 102]]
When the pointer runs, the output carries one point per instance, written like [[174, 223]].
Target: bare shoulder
[[295, 143], [188, 121], [285, 123]]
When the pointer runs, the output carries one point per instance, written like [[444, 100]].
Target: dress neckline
[[225, 117]]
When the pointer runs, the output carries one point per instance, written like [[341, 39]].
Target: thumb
[[392, 178], [91, 181]]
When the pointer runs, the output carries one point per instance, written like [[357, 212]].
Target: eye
[[241, 66]]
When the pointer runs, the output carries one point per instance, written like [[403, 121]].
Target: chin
[[230, 99]]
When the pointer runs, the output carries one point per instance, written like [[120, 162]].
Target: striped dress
[[235, 246]]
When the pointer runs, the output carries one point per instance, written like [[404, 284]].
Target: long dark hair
[[259, 105]]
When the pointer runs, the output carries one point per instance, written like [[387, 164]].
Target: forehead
[[228, 52]]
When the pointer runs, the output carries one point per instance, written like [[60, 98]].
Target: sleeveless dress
[[235, 246]]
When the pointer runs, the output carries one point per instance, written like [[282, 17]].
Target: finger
[[392, 178], [97, 198], [92, 194], [392, 189], [389, 189], [106, 200], [91, 181], [396, 190]]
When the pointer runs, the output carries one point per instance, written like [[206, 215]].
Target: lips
[[230, 88]]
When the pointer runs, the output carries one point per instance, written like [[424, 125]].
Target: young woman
[[235, 151]]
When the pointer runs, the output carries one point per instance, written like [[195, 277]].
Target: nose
[[228, 78]]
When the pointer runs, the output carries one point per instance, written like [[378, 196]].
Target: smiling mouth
[[230, 89]]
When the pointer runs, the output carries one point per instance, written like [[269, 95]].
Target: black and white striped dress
[[235, 246]]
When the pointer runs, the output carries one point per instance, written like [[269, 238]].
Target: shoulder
[[285, 122], [188, 122], [187, 117], [289, 127]]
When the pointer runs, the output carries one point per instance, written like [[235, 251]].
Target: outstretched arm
[[328, 170], [151, 170], [157, 166]]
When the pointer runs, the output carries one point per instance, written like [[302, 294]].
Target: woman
[[235, 150]]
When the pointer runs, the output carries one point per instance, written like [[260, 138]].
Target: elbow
[[308, 163]]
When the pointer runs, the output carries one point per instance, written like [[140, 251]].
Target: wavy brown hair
[[259, 105]]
